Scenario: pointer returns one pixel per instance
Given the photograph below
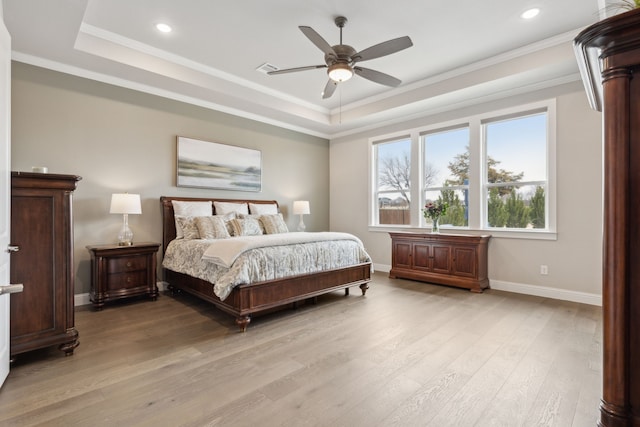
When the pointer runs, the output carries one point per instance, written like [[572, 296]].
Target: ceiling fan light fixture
[[340, 72]]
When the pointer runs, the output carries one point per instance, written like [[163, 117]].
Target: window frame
[[477, 187]]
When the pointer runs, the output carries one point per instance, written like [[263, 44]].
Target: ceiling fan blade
[[329, 89], [383, 49], [293, 70], [317, 40], [377, 76]]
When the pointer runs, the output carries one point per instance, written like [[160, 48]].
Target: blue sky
[[518, 144]]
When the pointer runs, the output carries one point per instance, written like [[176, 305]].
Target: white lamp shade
[[301, 207], [125, 203]]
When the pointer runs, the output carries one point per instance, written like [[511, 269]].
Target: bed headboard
[[168, 220]]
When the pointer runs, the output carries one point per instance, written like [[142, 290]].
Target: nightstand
[[122, 271]]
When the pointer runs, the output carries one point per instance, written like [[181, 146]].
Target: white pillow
[[263, 208], [184, 208], [223, 208]]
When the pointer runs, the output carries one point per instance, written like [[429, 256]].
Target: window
[[516, 172], [446, 173], [495, 171], [393, 178]]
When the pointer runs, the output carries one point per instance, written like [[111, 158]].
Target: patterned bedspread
[[260, 264]]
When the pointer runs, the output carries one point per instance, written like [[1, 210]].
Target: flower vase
[[435, 226]]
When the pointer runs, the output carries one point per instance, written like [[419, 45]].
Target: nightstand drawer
[[126, 264], [126, 280]]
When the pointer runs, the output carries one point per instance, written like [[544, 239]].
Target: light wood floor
[[407, 354]]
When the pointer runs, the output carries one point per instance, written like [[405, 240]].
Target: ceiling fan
[[340, 60]]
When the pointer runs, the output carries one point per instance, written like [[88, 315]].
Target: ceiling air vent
[[266, 67]]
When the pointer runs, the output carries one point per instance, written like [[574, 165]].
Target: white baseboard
[[543, 291], [382, 267], [539, 291], [83, 299]]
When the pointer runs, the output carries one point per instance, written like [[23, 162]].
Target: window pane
[[446, 158], [517, 152], [516, 207], [393, 208], [458, 211], [517, 149], [394, 165], [393, 170]]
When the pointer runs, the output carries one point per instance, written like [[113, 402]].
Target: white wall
[[574, 259], [121, 140]]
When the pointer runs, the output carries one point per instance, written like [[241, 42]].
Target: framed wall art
[[214, 165]]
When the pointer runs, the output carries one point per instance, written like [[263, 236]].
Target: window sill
[[495, 233]]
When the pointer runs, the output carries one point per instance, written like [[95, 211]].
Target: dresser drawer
[[125, 264], [129, 280]]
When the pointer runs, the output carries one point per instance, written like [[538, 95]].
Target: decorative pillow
[[223, 208], [184, 208], [188, 226], [212, 227], [227, 221], [246, 226], [263, 208], [274, 224]]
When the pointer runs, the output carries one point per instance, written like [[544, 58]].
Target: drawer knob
[[128, 279], [129, 264]]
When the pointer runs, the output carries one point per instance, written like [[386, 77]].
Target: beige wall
[[574, 259], [121, 140]]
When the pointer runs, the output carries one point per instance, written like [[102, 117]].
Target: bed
[[245, 299]]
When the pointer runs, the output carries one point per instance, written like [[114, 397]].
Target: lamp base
[[301, 226], [125, 237]]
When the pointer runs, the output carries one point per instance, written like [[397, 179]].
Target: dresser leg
[[69, 347]]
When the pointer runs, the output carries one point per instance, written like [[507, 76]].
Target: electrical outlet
[[544, 270]]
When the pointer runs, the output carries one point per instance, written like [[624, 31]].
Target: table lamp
[[125, 204], [301, 207]]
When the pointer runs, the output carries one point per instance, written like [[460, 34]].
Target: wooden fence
[[394, 216]]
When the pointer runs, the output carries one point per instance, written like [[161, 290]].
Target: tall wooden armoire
[[42, 230], [609, 57]]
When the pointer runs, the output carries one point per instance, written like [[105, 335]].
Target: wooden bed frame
[[247, 299]]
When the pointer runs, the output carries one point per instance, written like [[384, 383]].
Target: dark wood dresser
[[42, 229], [609, 56], [447, 259], [122, 271]]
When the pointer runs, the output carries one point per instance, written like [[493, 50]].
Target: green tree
[[497, 214], [459, 167], [537, 208], [517, 211], [456, 212]]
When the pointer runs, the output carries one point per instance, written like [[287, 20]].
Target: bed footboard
[[245, 300]]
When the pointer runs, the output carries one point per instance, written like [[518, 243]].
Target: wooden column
[[609, 56]]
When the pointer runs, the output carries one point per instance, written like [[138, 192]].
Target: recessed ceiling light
[[164, 28], [530, 14]]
